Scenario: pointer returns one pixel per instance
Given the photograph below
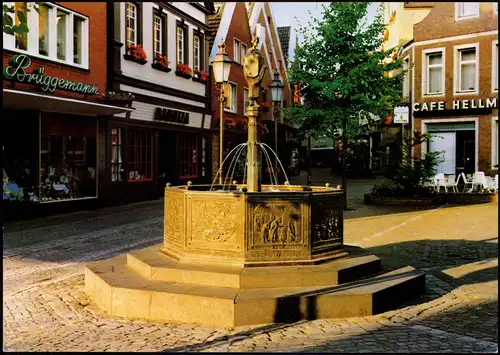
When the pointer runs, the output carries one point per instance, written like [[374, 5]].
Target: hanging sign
[[16, 71], [402, 114]]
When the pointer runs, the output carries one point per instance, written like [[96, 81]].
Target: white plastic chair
[[478, 180], [490, 184], [441, 182], [451, 182]]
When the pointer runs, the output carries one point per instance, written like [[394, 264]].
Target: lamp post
[[276, 96], [221, 65]]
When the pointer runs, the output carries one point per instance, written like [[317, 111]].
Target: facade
[[53, 115], [159, 53], [452, 84]]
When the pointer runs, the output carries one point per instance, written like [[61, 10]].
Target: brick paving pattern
[[45, 307]]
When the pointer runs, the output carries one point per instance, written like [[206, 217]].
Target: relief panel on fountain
[[326, 223], [174, 219]]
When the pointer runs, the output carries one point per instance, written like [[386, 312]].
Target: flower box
[[160, 67], [136, 54], [200, 77], [183, 75], [184, 71]]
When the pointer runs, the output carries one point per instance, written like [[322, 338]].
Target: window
[[131, 24], [230, 95], [494, 142], [196, 53], [181, 45], [21, 39], [55, 34], [246, 101], [466, 74], [406, 80], [43, 30], [434, 72], [203, 156], [236, 51], [243, 51], [140, 156], [465, 10], [157, 35], [117, 170], [188, 152], [77, 39], [494, 64]]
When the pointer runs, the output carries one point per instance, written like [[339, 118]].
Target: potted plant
[[136, 53], [161, 62], [200, 76], [183, 70], [123, 99]]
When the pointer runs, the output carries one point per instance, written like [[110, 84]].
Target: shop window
[[51, 27], [236, 51], [188, 152], [203, 157], [230, 94], [117, 169], [67, 167], [434, 73], [140, 156], [466, 69], [465, 10]]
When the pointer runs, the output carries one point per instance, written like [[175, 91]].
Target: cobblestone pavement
[[45, 308]]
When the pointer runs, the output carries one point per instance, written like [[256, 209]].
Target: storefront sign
[[15, 71], [401, 114], [163, 114], [456, 105]]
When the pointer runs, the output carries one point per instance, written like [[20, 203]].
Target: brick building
[[53, 112], [451, 54], [236, 23]]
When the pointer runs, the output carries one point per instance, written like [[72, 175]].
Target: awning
[[33, 101]]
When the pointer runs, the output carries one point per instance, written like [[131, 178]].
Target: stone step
[[154, 265], [121, 291]]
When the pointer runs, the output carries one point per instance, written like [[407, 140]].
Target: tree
[[21, 13], [343, 72]]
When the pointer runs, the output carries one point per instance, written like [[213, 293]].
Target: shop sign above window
[[15, 71], [456, 105], [163, 114]]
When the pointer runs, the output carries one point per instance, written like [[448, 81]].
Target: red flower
[[137, 52], [184, 68], [201, 75], [162, 60]]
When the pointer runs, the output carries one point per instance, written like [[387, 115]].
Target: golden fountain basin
[[296, 225]]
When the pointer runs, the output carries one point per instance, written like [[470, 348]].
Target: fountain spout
[[254, 70]]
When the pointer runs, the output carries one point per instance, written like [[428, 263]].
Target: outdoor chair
[[451, 182], [467, 182], [441, 182], [490, 184], [478, 181], [432, 183]]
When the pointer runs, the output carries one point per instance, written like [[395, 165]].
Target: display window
[[188, 151], [117, 166], [68, 159], [140, 156]]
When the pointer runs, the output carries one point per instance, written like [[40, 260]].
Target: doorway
[[167, 160]]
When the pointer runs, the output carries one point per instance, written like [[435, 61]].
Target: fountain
[[245, 253]]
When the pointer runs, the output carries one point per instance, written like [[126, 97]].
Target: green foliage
[[342, 71], [21, 28], [410, 174]]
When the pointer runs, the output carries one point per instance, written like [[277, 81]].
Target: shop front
[[50, 155]]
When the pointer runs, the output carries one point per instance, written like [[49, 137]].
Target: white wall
[[146, 72]]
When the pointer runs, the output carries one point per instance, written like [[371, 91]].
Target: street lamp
[[221, 65], [276, 96]]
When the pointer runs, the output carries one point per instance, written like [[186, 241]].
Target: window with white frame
[[236, 51], [230, 94], [196, 53], [466, 69], [180, 45], [246, 101], [157, 35], [494, 64], [464, 10], [494, 142], [406, 80], [56, 34], [131, 24], [433, 73]]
